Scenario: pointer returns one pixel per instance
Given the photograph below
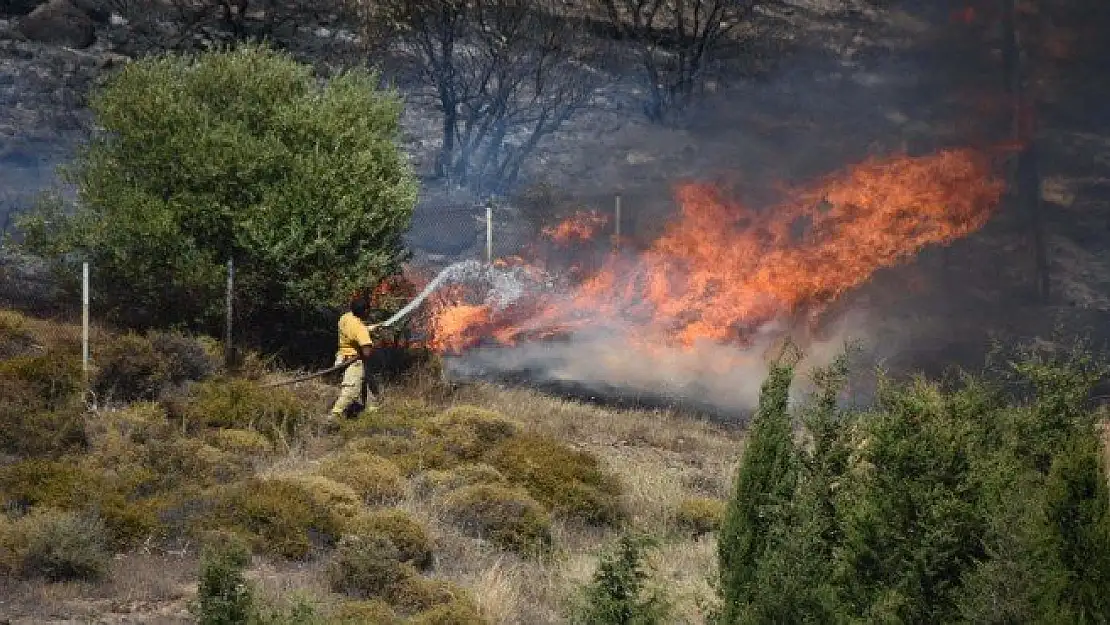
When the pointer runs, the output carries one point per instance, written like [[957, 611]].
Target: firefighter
[[355, 343]]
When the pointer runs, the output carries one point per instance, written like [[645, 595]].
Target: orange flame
[[721, 271], [582, 225]]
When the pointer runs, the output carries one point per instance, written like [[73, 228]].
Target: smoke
[[602, 362]]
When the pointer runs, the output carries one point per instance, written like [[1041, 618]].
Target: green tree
[[765, 484], [239, 154], [619, 592]]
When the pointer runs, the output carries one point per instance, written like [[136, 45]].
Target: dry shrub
[[365, 566], [434, 482], [46, 483], [241, 442], [373, 611], [57, 546], [15, 336], [129, 369], [40, 405], [570, 482], [416, 594], [328, 493], [187, 359], [280, 517], [458, 612], [508, 517], [244, 404], [698, 516], [375, 479], [82, 486], [138, 423], [408, 535], [465, 433], [190, 461]]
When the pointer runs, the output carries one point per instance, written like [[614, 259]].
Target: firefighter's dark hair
[[359, 305]]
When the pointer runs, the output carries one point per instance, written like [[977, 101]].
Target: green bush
[[243, 404], [224, 597], [61, 546], [340, 499], [280, 517], [619, 592], [238, 154], [569, 482], [765, 480], [508, 517], [34, 432], [365, 566], [413, 544], [129, 369], [374, 478]]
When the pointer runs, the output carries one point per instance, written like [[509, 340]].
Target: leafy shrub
[[61, 546], [340, 499], [374, 478], [365, 566], [374, 611], [129, 369], [618, 592], [413, 544], [280, 517], [230, 154], [465, 433], [699, 516], [239, 403], [224, 597], [415, 594], [569, 482], [137, 423], [241, 442], [508, 517]]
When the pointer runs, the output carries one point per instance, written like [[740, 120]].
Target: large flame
[[720, 271]]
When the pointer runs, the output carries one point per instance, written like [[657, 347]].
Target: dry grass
[[659, 459]]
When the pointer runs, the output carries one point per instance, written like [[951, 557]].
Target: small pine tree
[[764, 483], [224, 597], [618, 593]]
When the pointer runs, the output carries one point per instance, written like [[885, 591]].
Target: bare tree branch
[[506, 74]]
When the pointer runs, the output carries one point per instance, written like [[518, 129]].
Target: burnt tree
[[505, 73], [677, 39]]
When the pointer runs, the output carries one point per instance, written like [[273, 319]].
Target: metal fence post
[[85, 323], [229, 350], [617, 221], [489, 231]]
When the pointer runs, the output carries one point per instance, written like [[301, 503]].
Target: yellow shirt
[[352, 335]]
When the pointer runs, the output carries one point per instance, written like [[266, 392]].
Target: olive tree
[[240, 154]]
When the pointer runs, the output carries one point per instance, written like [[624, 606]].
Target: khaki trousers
[[353, 387]]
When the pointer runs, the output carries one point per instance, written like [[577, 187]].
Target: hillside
[[216, 454]]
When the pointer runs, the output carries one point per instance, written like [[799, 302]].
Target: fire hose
[[447, 273]]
